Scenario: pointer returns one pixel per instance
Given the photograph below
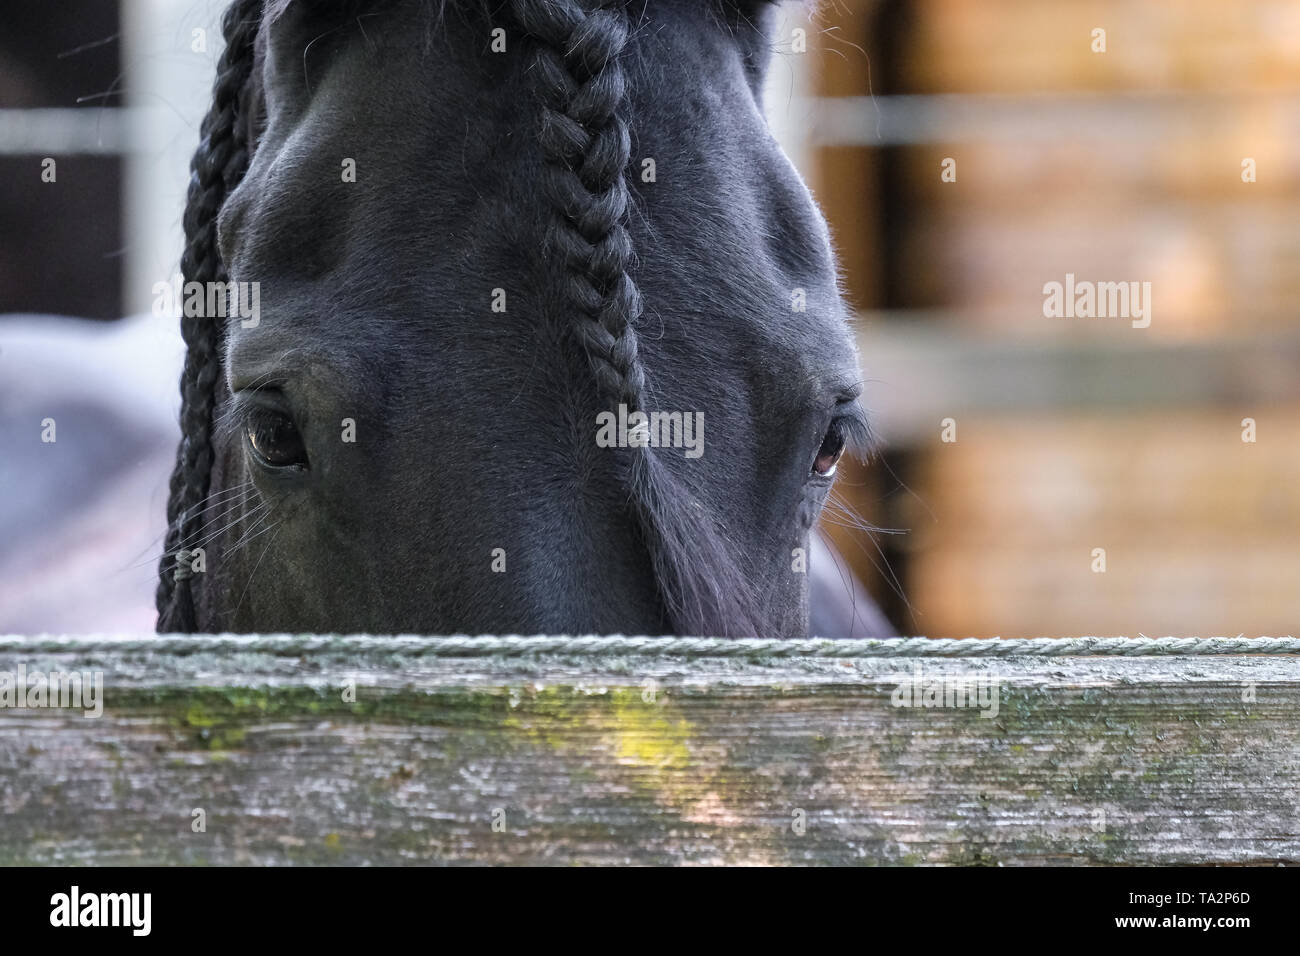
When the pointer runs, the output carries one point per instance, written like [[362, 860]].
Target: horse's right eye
[[830, 452], [275, 439]]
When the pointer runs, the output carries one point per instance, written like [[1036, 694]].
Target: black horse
[[476, 226]]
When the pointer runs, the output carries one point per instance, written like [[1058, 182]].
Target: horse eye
[[828, 455], [274, 438]]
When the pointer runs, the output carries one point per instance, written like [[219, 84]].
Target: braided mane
[[577, 74], [217, 167], [581, 81]]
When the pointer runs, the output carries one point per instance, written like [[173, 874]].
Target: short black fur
[[474, 429]]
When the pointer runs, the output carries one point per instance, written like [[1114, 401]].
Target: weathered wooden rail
[[425, 750]]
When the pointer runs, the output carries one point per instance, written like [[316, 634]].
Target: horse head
[[548, 333]]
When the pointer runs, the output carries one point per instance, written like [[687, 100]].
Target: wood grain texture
[[652, 760]]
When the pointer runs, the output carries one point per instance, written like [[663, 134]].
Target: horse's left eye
[[274, 438], [832, 448]]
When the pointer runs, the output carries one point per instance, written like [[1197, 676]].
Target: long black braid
[[578, 74], [217, 167]]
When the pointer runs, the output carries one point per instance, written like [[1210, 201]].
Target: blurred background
[[1123, 163], [112, 92], [965, 153]]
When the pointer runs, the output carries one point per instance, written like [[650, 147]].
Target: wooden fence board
[[650, 758]]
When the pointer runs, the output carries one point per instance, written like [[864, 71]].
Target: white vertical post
[[169, 83], [788, 93]]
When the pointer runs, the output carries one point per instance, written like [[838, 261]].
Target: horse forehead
[[728, 236]]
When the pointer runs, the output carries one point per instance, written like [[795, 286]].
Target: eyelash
[[256, 420], [859, 439]]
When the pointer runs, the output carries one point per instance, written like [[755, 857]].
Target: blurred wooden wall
[[1115, 166]]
